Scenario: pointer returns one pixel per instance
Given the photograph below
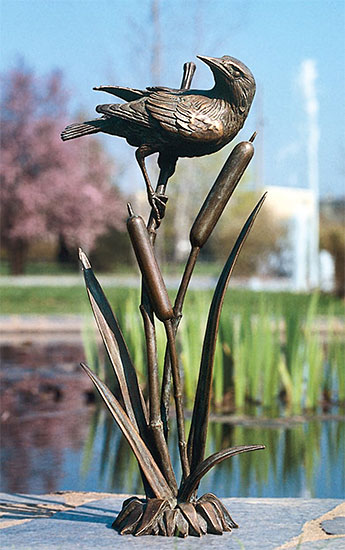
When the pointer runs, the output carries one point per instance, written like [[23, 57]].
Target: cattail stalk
[[159, 299], [202, 228], [155, 421], [149, 267], [212, 209]]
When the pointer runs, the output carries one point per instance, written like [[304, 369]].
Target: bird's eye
[[236, 72], [243, 104]]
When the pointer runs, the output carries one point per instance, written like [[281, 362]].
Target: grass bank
[[48, 300]]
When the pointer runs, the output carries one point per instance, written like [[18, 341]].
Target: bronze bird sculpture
[[176, 122]]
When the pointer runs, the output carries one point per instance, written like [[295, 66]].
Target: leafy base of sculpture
[[160, 517]]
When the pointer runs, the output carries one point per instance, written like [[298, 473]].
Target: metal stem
[[178, 397], [155, 421], [193, 256], [179, 300]]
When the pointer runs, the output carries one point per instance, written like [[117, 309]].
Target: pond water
[[51, 452], [55, 437]]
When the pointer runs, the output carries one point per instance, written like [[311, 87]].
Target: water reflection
[[302, 460], [33, 450], [54, 438], [85, 451], [43, 412]]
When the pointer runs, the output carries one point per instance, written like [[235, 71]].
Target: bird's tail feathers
[[80, 129]]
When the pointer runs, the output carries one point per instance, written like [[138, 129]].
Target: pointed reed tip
[[84, 366], [130, 209], [87, 370], [262, 200], [259, 204], [251, 139], [84, 259]]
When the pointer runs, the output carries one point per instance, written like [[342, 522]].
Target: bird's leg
[[156, 202], [167, 165]]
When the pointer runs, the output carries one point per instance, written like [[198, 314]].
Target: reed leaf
[[218, 380], [198, 432], [189, 485], [240, 372], [337, 354], [286, 379], [130, 320], [116, 348], [146, 462], [315, 362]]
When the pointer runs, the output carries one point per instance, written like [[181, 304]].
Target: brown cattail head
[[221, 192], [148, 266]]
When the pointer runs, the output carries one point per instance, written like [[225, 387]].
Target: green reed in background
[[277, 337], [271, 357], [336, 360]]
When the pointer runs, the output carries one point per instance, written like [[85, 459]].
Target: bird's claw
[[158, 203]]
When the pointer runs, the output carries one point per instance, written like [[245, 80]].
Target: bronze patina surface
[[175, 123]]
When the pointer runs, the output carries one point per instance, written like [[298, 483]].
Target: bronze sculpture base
[[161, 517]]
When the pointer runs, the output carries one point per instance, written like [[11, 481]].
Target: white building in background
[[327, 271], [295, 209], [298, 208]]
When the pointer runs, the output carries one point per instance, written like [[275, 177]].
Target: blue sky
[[111, 41]]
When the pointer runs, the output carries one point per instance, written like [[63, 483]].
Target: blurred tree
[[47, 188], [263, 248], [113, 252]]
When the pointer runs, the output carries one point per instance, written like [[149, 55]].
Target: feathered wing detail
[[162, 106], [80, 129], [194, 117], [133, 111], [127, 94], [162, 89]]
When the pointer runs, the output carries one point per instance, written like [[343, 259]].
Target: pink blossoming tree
[[49, 189]]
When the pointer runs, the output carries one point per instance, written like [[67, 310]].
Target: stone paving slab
[[336, 544], [265, 524], [334, 526]]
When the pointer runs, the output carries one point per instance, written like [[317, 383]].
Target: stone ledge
[[83, 521]]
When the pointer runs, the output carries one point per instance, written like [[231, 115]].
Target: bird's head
[[233, 80]]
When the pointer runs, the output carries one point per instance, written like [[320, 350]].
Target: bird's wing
[[161, 89], [128, 94], [133, 111], [192, 116]]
